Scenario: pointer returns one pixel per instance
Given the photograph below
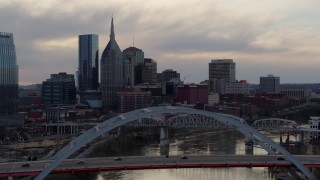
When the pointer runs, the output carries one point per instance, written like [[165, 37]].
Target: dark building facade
[[168, 74], [135, 60], [192, 94], [8, 75], [88, 62], [270, 84], [59, 89], [112, 72], [271, 100], [149, 71]]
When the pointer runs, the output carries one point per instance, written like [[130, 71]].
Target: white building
[[297, 93], [314, 124], [213, 98]]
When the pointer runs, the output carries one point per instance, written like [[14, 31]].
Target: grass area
[[304, 115]]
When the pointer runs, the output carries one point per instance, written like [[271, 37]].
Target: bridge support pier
[[288, 139], [10, 177], [309, 149], [164, 141], [249, 146], [302, 137]]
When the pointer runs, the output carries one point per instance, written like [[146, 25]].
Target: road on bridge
[[153, 162]]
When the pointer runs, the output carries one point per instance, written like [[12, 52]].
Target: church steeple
[[112, 35]]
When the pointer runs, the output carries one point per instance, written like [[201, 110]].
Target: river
[[203, 142]]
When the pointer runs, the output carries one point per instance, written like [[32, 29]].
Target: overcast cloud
[[263, 37]]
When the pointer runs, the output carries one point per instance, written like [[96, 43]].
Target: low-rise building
[[297, 93], [269, 100], [241, 87], [192, 94], [233, 98], [213, 98], [132, 99], [314, 124]]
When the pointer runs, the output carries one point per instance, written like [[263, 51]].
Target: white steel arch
[[275, 123], [117, 121]]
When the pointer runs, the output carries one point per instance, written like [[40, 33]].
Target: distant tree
[[317, 100]]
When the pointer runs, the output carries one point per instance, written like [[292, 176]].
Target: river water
[[203, 142]]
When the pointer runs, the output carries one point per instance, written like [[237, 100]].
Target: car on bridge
[[117, 159], [80, 162], [280, 159], [25, 165], [184, 157]]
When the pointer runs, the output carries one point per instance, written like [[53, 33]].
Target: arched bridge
[[153, 113], [182, 120], [275, 123]]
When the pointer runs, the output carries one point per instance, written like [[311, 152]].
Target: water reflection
[[192, 174], [204, 142]]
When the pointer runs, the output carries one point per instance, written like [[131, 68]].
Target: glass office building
[[8, 75], [88, 62], [135, 59]]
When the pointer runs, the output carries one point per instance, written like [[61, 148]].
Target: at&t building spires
[[112, 75]]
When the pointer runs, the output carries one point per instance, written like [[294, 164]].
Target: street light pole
[[58, 118], [58, 130]]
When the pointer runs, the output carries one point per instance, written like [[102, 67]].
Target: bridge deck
[[147, 162]]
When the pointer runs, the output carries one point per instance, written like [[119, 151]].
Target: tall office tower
[[8, 75], [112, 75], [270, 84], [134, 59], [220, 72], [149, 71], [88, 76], [59, 89]]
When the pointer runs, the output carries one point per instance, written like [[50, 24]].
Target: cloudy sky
[[280, 37]]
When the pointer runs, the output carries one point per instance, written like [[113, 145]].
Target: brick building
[[132, 99], [269, 100], [192, 94]]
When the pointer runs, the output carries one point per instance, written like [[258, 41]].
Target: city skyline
[[280, 38]]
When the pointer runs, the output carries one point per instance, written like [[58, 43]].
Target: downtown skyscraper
[[112, 72], [88, 72], [134, 60], [8, 75], [221, 71]]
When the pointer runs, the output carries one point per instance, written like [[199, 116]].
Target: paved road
[[148, 162]]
